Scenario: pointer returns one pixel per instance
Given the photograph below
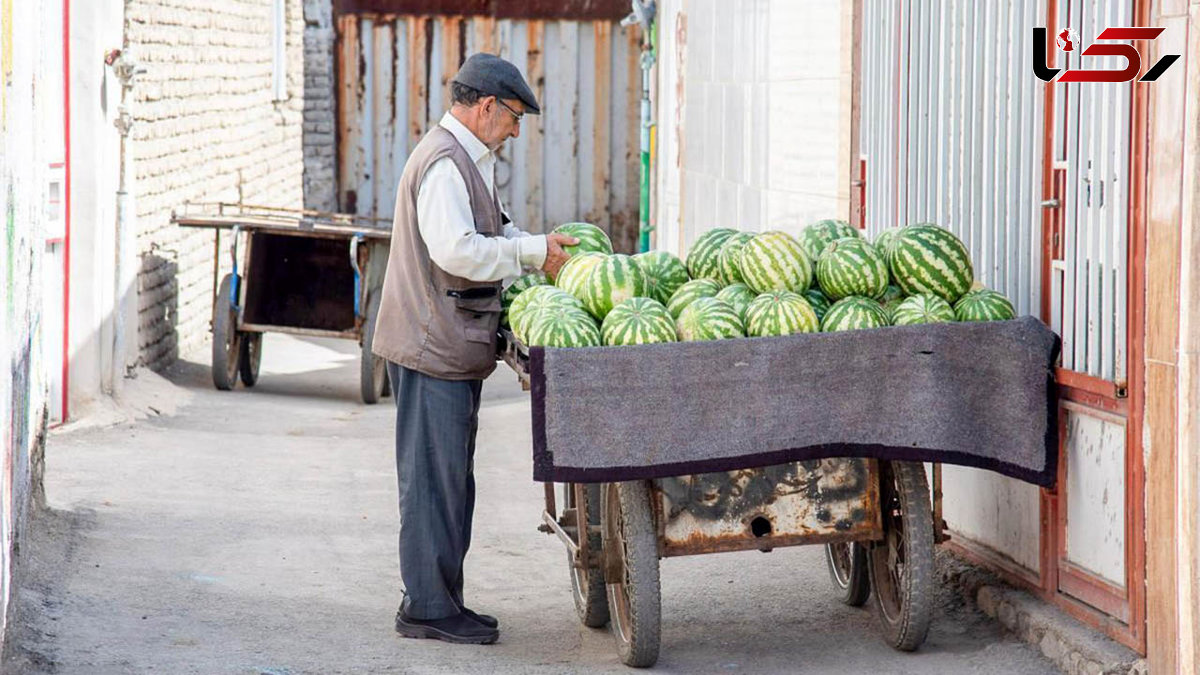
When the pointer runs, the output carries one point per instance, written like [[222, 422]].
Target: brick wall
[[207, 129], [320, 112]]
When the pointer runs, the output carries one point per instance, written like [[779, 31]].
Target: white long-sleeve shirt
[[448, 227]]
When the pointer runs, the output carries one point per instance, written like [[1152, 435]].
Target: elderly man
[[452, 244]]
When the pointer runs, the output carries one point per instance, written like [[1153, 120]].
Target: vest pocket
[[480, 318]]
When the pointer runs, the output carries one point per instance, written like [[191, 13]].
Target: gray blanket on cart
[[973, 394]]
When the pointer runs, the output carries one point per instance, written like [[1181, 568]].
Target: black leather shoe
[[485, 619], [459, 629]]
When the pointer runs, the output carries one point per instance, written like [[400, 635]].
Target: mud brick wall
[[320, 112], [208, 128]]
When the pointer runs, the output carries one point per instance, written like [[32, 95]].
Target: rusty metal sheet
[[578, 10], [798, 503], [576, 161]]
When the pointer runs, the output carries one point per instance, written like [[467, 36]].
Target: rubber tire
[[226, 340], [634, 601], [905, 618], [372, 370], [587, 587], [855, 586], [250, 358]]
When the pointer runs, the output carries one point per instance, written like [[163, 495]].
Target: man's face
[[502, 120]]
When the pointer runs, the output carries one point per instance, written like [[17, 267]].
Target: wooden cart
[[872, 516], [293, 271]]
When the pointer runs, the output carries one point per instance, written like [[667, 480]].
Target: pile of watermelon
[[736, 284]]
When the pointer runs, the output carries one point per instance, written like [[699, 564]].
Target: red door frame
[[1118, 612]]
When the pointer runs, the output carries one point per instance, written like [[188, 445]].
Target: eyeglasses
[[516, 115]]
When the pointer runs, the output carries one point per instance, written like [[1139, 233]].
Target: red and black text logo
[[1068, 40]]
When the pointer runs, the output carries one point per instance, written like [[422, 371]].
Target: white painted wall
[[753, 116], [96, 27]]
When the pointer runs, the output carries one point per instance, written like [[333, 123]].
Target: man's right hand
[[555, 255]]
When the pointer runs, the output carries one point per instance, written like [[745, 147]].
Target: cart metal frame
[[615, 534], [237, 342]]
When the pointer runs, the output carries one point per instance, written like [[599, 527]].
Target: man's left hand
[[555, 255]]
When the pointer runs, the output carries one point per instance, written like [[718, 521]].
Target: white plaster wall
[[753, 120], [96, 26]]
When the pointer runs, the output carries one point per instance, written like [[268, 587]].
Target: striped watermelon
[[703, 259], [532, 302], [591, 238], [930, 259], [638, 321], [574, 272], [853, 313], [816, 236], [614, 279], [692, 290], [523, 282], [709, 319], [564, 328], [780, 313], [892, 297], [984, 305], [730, 257], [851, 266], [817, 300], [922, 308], [775, 261], [664, 272], [884, 241], [739, 296]]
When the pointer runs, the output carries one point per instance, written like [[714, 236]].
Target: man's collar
[[470, 142]]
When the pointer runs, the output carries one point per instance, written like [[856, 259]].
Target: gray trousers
[[436, 421]]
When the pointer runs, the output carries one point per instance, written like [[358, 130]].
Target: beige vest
[[429, 320]]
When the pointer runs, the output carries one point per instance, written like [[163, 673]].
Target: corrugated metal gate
[[576, 161], [952, 128], [955, 130]]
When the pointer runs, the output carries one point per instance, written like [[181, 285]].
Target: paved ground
[[254, 532]]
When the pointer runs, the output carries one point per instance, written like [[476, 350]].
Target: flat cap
[[494, 76]]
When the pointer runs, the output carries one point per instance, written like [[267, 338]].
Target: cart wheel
[[901, 565], [587, 584], [848, 570], [631, 571], [372, 369], [251, 358], [226, 341]]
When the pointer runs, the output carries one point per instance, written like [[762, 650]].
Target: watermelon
[[851, 266], [664, 273], [685, 294], [591, 238], [709, 319], [703, 259], [564, 328], [853, 313], [638, 321], [775, 261], [930, 259], [738, 296], [884, 241], [817, 300], [816, 236], [892, 297], [730, 256], [523, 282], [922, 308], [574, 272], [614, 279], [780, 313], [532, 302], [984, 305]]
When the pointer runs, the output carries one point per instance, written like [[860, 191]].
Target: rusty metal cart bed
[[293, 271], [873, 516]]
